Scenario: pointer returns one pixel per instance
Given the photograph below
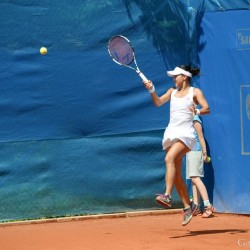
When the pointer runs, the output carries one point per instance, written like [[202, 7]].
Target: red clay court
[[152, 230]]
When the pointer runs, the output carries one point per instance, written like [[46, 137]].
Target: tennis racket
[[122, 52]]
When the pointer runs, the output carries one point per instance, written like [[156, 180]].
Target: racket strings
[[121, 50]]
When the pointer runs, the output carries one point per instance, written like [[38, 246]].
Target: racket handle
[[144, 78]]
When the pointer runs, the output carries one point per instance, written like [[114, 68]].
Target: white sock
[[206, 203], [168, 195]]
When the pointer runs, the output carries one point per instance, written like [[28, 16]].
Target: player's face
[[178, 80]]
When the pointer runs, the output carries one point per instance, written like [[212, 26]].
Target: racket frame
[[136, 68]]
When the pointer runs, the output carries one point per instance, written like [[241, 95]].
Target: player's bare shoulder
[[170, 90], [198, 95], [166, 96], [197, 92]]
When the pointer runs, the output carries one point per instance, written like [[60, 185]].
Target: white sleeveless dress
[[180, 126]]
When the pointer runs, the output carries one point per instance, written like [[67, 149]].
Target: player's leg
[[180, 185], [196, 199], [173, 156], [189, 207], [177, 150], [165, 199]]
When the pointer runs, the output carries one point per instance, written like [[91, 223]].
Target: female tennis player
[[179, 136]]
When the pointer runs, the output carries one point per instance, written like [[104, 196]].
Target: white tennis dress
[[180, 126]]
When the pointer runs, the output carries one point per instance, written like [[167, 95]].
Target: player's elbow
[[157, 103], [206, 110]]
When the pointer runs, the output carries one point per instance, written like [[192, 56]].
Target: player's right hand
[[148, 84]]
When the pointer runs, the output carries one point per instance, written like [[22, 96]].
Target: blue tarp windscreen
[[224, 56], [80, 135]]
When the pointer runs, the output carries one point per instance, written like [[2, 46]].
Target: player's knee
[[169, 160]]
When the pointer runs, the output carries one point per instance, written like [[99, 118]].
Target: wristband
[[197, 111], [151, 89]]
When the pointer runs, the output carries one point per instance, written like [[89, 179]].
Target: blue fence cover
[[80, 135], [224, 56]]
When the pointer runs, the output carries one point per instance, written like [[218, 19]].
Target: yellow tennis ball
[[43, 51], [208, 159]]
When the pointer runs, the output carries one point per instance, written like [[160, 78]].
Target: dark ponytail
[[193, 71]]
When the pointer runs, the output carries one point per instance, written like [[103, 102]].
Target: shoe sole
[[207, 216], [163, 203]]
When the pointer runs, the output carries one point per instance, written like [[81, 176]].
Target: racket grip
[[144, 78]]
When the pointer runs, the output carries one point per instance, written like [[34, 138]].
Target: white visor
[[178, 71]]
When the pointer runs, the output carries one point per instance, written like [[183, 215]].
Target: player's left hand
[[192, 109]]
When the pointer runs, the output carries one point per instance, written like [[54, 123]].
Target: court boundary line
[[92, 217]]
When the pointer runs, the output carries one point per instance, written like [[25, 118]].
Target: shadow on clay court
[[206, 232]]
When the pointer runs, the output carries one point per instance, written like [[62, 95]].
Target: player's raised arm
[[157, 100]]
